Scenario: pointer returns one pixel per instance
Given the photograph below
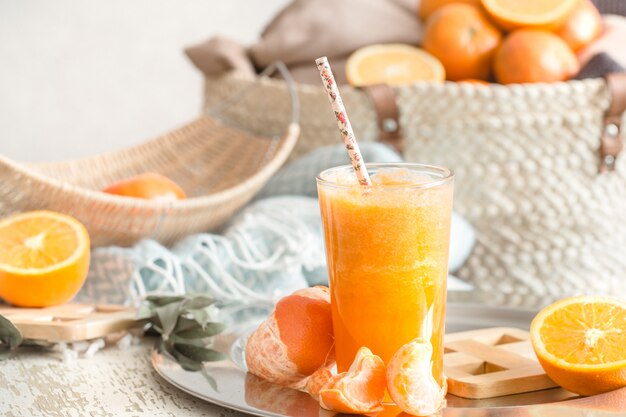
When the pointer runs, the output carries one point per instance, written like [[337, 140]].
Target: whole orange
[[149, 186], [532, 55], [463, 39], [582, 27], [428, 7]]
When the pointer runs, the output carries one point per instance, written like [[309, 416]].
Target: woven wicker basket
[[526, 159], [219, 166]]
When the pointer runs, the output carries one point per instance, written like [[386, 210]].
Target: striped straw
[[342, 120]]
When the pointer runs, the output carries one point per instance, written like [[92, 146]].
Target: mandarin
[[428, 7], [531, 55], [463, 39], [295, 340], [151, 186], [583, 26]]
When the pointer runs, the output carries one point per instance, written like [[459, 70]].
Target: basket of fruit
[[490, 92], [190, 180]]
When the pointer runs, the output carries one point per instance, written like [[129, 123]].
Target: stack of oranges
[[508, 41]]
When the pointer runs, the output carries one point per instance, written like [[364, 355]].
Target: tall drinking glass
[[387, 252]]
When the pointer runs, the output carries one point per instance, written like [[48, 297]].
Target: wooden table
[[114, 382]]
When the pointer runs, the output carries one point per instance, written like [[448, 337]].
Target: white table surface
[[114, 382]]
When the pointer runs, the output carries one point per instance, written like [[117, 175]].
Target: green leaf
[[162, 300], [10, 337], [199, 302], [200, 315], [185, 323], [198, 353], [211, 329], [186, 363], [212, 382], [168, 315]]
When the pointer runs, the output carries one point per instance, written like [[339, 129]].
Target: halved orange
[[359, 390], [44, 258], [537, 14], [581, 343], [393, 64]]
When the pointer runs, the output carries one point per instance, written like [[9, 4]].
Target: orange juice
[[387, 251]]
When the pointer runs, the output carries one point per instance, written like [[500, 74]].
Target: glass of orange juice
[[387, 252]]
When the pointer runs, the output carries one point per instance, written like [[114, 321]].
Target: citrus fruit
[[361, 389], [428, 7], [582, 26], [393, 64], [531, 55], [150, 186], [463, 39], [581, 343], [44, 258], [410, 381], [295, 340], [537, 14]]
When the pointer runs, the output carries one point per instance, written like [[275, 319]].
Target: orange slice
[[538, 14], [393, 64], [359, 390], [44, 258], [581, 343], [410, 380]]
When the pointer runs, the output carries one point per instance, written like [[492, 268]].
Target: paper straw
[[342, 120]]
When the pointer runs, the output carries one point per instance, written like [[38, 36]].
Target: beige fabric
[[308, 29], [219, 55], [526, 161]]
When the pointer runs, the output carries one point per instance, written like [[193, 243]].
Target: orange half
[[581, 343], [537, 14], [393, 64], [44, 258]]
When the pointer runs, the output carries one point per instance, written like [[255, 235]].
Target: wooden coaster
[[492, 362], [70, 322]]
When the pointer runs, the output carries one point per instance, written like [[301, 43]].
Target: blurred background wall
[[79, 77]]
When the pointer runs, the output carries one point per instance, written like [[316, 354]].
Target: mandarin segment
[[361, 389], [581, 343], [410, 380], [295, 340]]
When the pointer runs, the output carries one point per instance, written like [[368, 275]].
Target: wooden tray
[[70, 322], [492, 362]]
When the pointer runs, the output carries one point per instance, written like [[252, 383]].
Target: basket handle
[[279, 67], [611, 141], [383, 98]]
